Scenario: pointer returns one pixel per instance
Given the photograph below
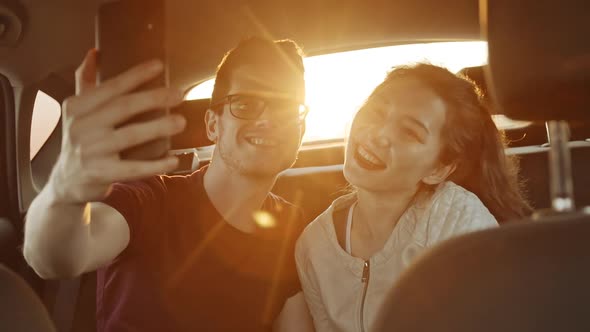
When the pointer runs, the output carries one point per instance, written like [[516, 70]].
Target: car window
[[46, 115], [338, 83]]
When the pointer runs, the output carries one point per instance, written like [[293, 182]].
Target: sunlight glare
[[201, 91], [338, 83]]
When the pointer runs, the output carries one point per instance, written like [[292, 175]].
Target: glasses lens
[[250, 108], [290, 109], [245, 107]]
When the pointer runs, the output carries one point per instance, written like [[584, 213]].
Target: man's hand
[[89, 160]]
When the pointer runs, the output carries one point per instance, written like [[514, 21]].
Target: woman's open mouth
[[368, 160]]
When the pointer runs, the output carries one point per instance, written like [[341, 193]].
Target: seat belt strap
[[66, 299]]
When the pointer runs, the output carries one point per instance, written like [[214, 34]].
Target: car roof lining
[[59, 32]]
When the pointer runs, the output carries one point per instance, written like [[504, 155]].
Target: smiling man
[[211, 251]]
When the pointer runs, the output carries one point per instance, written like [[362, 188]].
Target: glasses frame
[[228, 100]]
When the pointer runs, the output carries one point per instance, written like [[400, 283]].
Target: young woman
[[427, 162]]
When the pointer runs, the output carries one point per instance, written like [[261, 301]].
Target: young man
[[212, 251]]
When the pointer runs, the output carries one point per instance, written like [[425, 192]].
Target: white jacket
[[338, 296]]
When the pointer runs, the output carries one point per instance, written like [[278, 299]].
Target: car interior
[[42, 42]]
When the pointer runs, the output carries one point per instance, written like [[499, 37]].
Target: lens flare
[[264, 219]]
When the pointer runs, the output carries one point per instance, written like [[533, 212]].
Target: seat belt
[[66, 300]]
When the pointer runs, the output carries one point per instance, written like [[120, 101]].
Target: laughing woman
[[427, 162]]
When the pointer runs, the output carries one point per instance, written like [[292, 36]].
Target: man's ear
[[439, 174], [302, 131], [212, 125]]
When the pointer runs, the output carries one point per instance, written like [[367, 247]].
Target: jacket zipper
[[364, 280]]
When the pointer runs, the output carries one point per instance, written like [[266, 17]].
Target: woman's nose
[[379, 137]]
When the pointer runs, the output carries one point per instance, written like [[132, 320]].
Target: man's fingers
[[137, 133], [129, 80], [110, 89], [127, 106], [86, 73], [135, 169]]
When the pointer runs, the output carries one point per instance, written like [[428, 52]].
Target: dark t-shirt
[[186, 269]]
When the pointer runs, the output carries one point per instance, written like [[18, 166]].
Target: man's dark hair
[[257, 51]]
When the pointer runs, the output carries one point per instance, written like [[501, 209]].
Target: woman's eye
[[412, 135]]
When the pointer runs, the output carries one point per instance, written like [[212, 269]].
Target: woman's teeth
[[369, 157]]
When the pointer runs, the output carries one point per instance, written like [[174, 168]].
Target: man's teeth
[[368, 156], [262, 141]]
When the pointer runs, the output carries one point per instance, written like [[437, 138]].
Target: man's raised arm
[[68, 231]]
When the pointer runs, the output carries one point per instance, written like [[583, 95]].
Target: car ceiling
[[57, 33]]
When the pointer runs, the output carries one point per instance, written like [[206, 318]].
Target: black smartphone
[[129, 32]]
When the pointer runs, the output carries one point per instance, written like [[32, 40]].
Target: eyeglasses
[[251, 107]]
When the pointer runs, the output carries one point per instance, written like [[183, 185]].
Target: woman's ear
[[439, 174], [212, 125]]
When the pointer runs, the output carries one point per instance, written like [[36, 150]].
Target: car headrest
[[539, 58], [194, 134]]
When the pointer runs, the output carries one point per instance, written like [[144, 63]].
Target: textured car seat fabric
[[20, 308], [521, 277]]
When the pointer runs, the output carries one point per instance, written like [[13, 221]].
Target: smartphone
[[129, 32]]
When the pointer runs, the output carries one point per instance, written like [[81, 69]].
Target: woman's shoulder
[[454, 210], [452, 194]]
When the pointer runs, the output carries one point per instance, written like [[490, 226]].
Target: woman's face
[[395, 139]]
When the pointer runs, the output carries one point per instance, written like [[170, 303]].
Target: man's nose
[[264, 123], [266, 120]]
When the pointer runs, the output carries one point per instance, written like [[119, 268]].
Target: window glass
[[46, 115]]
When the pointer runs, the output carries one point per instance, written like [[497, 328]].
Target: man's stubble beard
[[240, 167]]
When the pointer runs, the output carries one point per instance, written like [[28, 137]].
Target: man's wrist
[[57, 193]]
